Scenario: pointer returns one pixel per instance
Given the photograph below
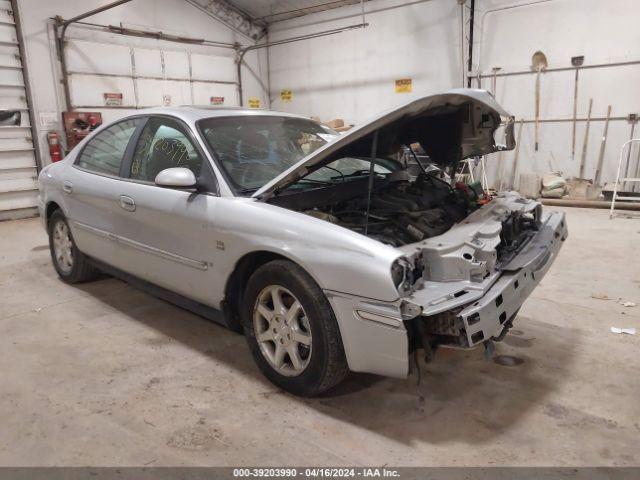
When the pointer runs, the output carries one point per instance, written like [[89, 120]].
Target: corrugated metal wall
[[18, 172]]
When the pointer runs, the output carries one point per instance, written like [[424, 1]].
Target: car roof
[[193, 113]]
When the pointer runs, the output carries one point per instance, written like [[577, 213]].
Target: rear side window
[[104, 152]]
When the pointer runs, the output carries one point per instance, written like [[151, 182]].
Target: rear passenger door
[[165, 233], [90, 188]]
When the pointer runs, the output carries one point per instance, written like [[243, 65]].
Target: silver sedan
[[330, 252]]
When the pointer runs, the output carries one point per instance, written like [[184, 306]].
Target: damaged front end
[[478, 274], [467, 261]]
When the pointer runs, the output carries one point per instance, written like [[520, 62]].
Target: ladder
[[464, 177], [623, 180]]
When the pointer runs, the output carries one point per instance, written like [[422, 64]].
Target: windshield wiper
[[247, 190], [357, 173], [313, 182]]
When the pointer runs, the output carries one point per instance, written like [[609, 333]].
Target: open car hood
[[450, 126]]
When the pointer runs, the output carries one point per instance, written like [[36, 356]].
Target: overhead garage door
[[143, 77], [18, 172]]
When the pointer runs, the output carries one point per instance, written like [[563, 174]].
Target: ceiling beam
[[232, 16], [309, 9]]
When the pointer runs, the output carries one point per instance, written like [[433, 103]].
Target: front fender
[[337, 259]]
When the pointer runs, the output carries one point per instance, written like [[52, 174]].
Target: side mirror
[[177, 177]]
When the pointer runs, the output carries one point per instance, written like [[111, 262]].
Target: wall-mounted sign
[[254, 102], [112, 99], [216, 100], [404, 85], [286, 95], [166, 100]]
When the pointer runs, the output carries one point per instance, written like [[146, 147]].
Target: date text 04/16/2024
[[318, 472]]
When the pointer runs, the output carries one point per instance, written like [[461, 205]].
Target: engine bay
[[404, 209]]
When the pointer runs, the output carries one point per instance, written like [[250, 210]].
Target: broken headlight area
[[405, 274], [428, 333], [448, 329]]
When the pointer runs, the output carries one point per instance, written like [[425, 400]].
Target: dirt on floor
[[103, 374]]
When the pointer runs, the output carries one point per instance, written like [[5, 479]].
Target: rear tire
[[292, 331], [70, 263]]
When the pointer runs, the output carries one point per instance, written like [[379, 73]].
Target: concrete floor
[[102, 374]]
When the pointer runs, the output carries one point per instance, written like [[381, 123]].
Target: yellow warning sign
[[404, 85], [254, 102], [286, 95]]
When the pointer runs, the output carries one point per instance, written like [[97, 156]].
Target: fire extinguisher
[[55, 150]]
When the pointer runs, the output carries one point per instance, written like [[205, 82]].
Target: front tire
[[70, 263], [292, 331]]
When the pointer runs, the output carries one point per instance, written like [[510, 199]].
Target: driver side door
[[164, 233]]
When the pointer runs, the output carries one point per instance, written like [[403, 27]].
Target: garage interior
[[104, 374]]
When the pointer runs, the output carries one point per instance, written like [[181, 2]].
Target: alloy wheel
[[282, 330], [63, 246]]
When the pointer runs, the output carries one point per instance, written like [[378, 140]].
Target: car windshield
[[252, 150]]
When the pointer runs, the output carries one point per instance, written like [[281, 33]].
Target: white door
[[18, 172]]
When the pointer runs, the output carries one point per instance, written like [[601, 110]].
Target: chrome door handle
[[127, 203], [67, 186]]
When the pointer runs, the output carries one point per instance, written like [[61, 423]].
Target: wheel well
[[234, 290], [51, 207]]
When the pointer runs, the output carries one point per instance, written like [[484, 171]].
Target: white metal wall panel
[[11, 76], [94, 57], [8, 34], [146, 77], [89, 89], [202, 93], [148, 62], [13, 159], [18, 199], [5, 12], [22, 175], [17, 141], [10, 132], [176, 64], [210, 67], [12, 98], [151, 92], [18, 173], [9, 58]]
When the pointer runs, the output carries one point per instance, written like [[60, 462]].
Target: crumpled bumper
[[487, 317], [374, 334]]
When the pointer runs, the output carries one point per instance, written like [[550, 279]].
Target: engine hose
[[406, 202]]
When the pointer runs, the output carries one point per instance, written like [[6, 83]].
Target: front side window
[[163, 144], [253, 150], [104, 152]]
